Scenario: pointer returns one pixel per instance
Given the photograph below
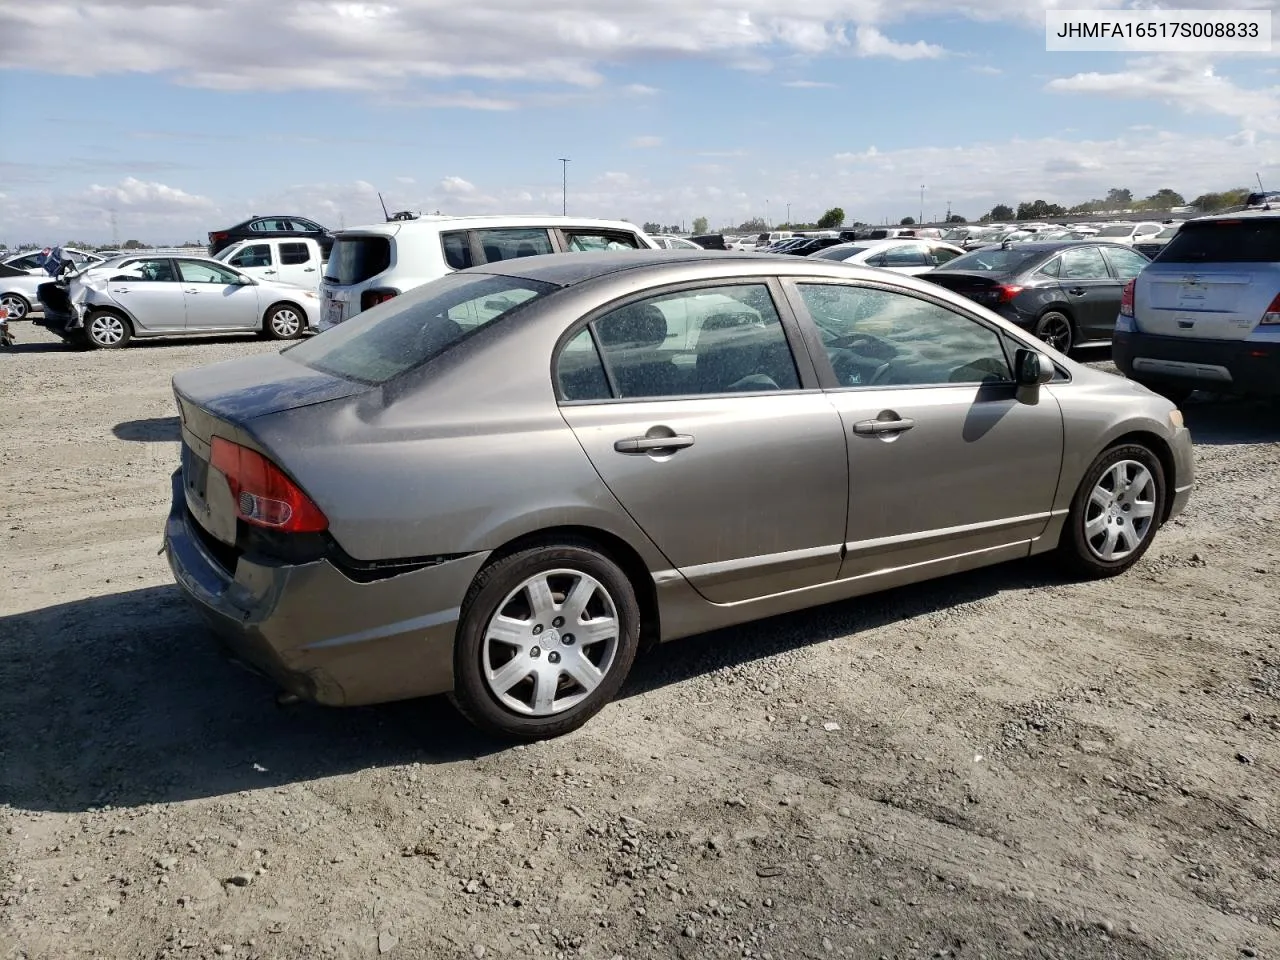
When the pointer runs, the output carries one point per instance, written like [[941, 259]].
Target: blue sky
[[207, 112]]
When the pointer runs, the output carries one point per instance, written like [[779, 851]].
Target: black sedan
[[260, 228], [1065, 292], [812, 245]]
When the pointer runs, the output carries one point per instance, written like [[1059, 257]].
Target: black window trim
[[826, 372], [810, 379]]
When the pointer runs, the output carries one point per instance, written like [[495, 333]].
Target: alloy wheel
[[106, 329], [16, 306], [1056, 332], [551, 642]]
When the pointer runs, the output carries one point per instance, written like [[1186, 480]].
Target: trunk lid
[[982, 288]]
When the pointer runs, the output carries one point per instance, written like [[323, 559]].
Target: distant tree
[[1214, 202], [1165, 199], [1119, 197], [1038, 209], [832, 219], [1001, 211], [699, 225], [957, 218], [651, 227], [133, 245], [907, 221], [754, 225]]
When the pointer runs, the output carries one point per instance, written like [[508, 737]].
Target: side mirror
[[1033, 370]]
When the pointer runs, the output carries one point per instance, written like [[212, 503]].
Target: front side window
[[1083, 263], [407, 332], [294, 253], [697, 342], [587, 241], [258, 255], [880, 338], [196, 272], [513, 243]]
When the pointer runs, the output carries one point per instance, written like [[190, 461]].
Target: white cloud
[[870, 42], [809, 85], [1188, 83], [639, 90], [986, 70], [405, 180], [646, 142], [146, 197]]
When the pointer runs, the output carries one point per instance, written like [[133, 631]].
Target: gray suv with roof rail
[[1205, 315]]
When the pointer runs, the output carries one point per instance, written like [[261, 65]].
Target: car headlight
[[1176, 418]]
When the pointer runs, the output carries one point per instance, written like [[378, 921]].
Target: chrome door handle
[[650, 444], [271, 272], [308, 269], [871, 428], [1077, 291]]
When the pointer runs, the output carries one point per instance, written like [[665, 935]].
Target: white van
[[370, 265]]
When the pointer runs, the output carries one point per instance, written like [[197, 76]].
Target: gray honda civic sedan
[[503, 483]]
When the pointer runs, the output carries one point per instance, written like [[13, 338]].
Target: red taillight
[[1006, 292], [1126, 299], [1272, 315], [217, 235], [371, 298], [264, 496]]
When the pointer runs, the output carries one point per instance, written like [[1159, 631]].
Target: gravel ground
[[997, 764]]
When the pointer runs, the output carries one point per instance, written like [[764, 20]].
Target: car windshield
[[995, 261], [405, 333], [1119, 230], [1225, 241], [1168, 232]]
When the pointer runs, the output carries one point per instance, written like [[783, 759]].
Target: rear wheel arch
[[613, 547]]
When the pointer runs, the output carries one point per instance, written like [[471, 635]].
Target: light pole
[[922, 203], [788, 213], [767, 224], [564, 186]]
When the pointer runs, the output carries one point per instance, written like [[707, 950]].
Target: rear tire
[[532, 624], [1115, 513], [1056, 329], [106, 330], [284, 321]]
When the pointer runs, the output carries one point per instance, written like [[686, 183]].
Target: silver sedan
[[149, 296], [503, 482]]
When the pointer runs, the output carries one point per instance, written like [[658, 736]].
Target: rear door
[[151, 291], [298, 262], [1213, 281], [1091, 292], [714, 439]]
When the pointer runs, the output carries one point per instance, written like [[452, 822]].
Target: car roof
[[1258, 214], [494, 220]]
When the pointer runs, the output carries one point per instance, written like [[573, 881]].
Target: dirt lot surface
[[993, 765]]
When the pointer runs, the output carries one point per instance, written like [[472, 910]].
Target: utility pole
[[948, 211], [922, 203], [767, 224], [564, 186], [788, 213], [115, 230]]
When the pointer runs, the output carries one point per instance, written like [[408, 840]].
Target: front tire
[[284, 321], [547, 637], [16, 304], [105, 330], [1115, 512], [1056, 329]]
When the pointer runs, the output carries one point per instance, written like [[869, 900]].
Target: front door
[[217, 298], [257, 260], [943, 460], [699, 424], [1092, 292], [152, 294]]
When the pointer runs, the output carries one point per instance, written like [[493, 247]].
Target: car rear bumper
[[316, 632], [1244, 367]]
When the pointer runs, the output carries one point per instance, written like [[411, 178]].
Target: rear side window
[[357, 259], [510, 244], [590, 241], [1225, 241], [457, 249], [407, 332], [294, 253]]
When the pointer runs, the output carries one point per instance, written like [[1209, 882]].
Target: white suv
[[370, 265]]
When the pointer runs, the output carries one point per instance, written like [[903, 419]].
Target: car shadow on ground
[[1224, 421], [123, 699], [150, 430]]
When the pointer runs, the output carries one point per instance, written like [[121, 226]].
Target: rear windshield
[[1118, 231], [995, 261], [1225, 241], [842, 252], [356, 259], [404, 333]]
